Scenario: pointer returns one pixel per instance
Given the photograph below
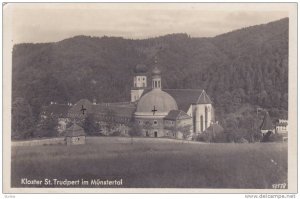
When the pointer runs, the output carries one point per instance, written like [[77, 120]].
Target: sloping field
[[151, 163]]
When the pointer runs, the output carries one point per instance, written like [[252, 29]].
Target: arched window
[[206, 117], [201, 123], [194, 122]]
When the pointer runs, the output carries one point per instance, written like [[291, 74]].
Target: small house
[[282, 126], [75, 135]]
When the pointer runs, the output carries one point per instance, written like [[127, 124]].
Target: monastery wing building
[[157, 111]]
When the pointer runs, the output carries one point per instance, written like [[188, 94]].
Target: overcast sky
[[55, 22]]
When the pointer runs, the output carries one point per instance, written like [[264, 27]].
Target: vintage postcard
[[150, 98]]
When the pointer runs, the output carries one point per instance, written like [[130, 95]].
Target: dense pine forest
[[241, 70]]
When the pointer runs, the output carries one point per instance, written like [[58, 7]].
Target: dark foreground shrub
[[274, 137], [116, 133]]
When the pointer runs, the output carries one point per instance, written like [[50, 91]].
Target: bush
[[206, 137], [90, 125], [242, 140], [272, 137], [116, 133], [47, 128], [201, 137], [266, 137]]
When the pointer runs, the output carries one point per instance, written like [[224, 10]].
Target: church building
[[159, 112], [167, 111]]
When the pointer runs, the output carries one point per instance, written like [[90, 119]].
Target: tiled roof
[[120, 110], [185, 97], [282, 124], [267, 123], [203, 98], [76, 109], [75, 131], [215, 129], [177, 115], [60, 110]]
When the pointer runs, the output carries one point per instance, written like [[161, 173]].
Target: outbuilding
[[75, 135]]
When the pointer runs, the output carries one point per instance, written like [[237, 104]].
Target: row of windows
[[154, 122], [115, 119], [169, 122], [170, 134], [156, 84], [141, 78], [281, 127]]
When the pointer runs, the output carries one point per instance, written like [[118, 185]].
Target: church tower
[[139, 82], [203, 113], [156, 78]]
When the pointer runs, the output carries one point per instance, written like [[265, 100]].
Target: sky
[[42, 22]]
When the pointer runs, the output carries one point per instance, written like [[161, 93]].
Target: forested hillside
[[243, 68]]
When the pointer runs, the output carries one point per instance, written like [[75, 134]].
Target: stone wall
[[48, 141]]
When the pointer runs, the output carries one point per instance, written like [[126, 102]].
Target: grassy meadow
[[150, 163]]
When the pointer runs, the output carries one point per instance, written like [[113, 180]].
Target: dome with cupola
[[156, 102]]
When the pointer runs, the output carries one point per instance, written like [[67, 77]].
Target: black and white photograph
[[150, 97]]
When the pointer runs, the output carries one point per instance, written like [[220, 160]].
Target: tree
[[90, 125], [185, 130], [109, 119], [134, 131], [22, 120], [47, 127]]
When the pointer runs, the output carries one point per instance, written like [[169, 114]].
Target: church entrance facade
[[155, 134]]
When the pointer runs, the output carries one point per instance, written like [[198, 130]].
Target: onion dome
[[156, 71], [140, 68]]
